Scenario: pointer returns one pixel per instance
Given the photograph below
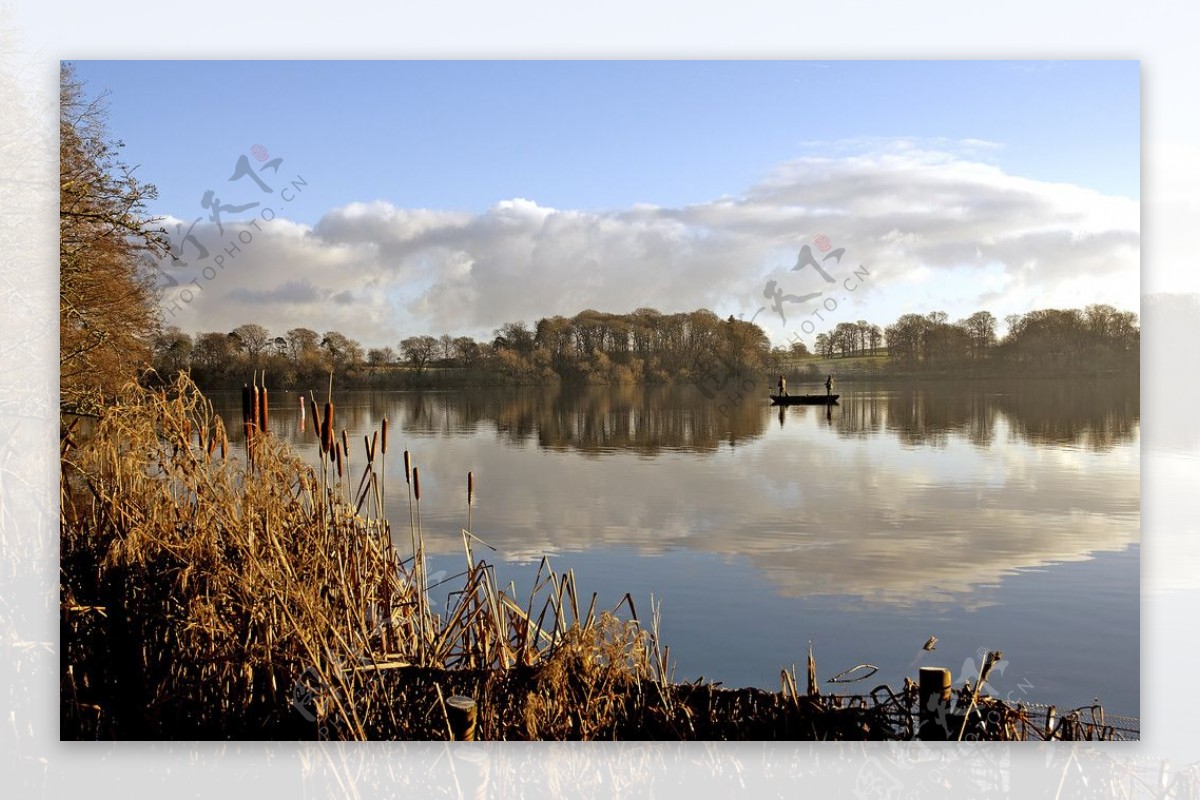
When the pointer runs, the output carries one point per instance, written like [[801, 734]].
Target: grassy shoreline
[[219, 595]]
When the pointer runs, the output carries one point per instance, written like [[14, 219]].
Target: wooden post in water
[[934, 697], [461, 711]]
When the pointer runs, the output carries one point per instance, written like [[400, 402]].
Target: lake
[[998, 515]]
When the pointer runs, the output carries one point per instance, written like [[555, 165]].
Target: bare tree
[[981, 329], [379, 357], [518, 336], [906, 337], [107, 250], [212, 352], [172, 351], [864, 331], [253, 338], [419, 350], [466, 350], [346, 353], [302, 341], [875, 337]]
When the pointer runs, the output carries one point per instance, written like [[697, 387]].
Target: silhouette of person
[[782, 386]]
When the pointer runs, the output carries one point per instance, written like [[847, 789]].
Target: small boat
[[792, 400]]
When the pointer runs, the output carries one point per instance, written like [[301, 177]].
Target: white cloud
[[915, 215]]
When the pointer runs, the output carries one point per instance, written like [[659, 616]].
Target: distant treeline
[[591, 347], [648, 346], [1098, 338]]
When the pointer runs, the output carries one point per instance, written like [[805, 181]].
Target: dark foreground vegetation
[[212, 594]]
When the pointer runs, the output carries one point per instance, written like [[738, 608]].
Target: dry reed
[[202, 598]]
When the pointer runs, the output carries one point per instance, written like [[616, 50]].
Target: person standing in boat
[[782, 386], [828, 385]]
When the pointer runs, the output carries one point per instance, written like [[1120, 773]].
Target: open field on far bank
[[813, 368]]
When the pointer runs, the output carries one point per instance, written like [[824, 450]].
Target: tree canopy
[[108, 312]]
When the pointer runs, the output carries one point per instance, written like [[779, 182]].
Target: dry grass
[[202, 597]]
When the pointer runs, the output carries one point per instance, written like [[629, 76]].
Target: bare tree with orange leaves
[[108, 246]]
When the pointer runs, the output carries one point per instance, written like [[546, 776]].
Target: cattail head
[[262, 409], [416, 483], [338, 450], [246, 403], [254, 404], [224, 444], [384, 436], [316, 418], [470, 486], [327, 426], [345, 444], [407, 468]]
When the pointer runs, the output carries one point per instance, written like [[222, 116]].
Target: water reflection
[[900, 494], [1093, 414], [645, 420], [1004, 514], [803, 412]]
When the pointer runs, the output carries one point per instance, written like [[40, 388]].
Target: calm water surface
[[993, 515]]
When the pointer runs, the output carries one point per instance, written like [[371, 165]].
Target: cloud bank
[[935, 230]]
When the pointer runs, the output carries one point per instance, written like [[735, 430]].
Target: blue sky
[[410, 167], [596, 135]]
